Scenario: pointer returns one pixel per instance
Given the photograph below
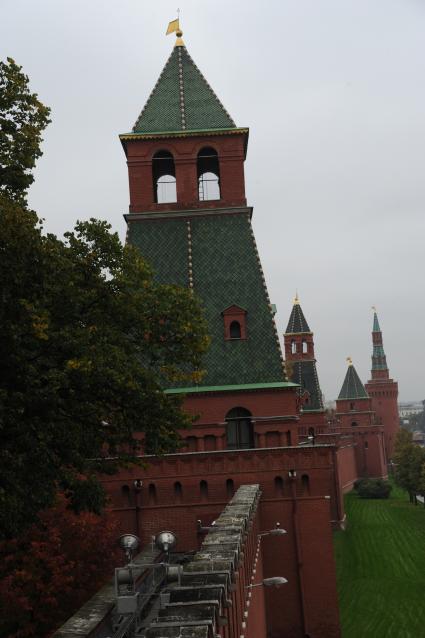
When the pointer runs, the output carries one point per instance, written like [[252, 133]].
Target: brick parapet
[[211, 599]]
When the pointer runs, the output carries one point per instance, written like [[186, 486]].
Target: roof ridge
[[209, 85]]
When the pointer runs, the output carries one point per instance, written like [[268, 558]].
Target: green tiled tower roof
[[216, 255], [352, 388], [376, 327], [182, 100], [379, 360], [304, 373], [297, 322]]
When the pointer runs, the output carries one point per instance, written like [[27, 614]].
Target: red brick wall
[[265, 406], [279, 498]]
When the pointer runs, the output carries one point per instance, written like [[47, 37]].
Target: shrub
[[373, 488]]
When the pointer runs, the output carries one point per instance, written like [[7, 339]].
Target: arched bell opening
[[164, 178], [208, 169]]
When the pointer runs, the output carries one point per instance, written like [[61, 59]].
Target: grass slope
[[381, 568]]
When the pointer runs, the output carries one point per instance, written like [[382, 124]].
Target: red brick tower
[[354, 414], [301, 369], [383, 391], [189, 218]]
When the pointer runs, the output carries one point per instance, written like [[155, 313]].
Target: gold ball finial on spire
[[296, 299], [349, 361]]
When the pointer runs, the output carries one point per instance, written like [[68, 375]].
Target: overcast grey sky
[[334, 94]]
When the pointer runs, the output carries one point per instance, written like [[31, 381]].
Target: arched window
[[293, 347], [192, 443], [235, 330], [278, 485], [366, 445], [304, 346], [152, 493], [203, 488], [239, 429], [305, 484], [210, 443], [230, 487], [352, 405], [208, 174], [178, 492], [354, 424], [125, 493], [164, 178]]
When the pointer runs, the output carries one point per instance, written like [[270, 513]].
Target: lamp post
[[273, 581]]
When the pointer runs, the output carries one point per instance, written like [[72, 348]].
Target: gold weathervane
[[174, 27], [296, 300], [349, 361]]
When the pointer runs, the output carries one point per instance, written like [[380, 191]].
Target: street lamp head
[[165, 541], [129, 543], [274, 581]]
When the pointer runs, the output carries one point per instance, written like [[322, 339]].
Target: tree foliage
[[409, 459], [372, 488], [47, 574], [88, 341], [22, 120]]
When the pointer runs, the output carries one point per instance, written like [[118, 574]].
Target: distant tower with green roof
[[189, 217], [383, 390], [301, 369], [355, 416]]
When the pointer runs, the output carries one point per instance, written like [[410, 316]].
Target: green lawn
[[381, 568]]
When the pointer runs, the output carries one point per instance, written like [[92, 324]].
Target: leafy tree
[[88, 341], [409, 459], [48, 573], [22, 120]]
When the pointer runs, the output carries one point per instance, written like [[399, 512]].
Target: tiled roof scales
[[352, 388], [297, 322], [182, 100]]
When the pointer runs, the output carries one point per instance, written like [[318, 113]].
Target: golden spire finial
[[296, 300], [374, 308], [349, 361], [174, 27]]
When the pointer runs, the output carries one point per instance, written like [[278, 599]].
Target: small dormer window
[[235, 323]]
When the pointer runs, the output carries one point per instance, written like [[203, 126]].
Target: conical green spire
[[379, 360], [182, 100], [297, 322], [352, 388], [376, 327]]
